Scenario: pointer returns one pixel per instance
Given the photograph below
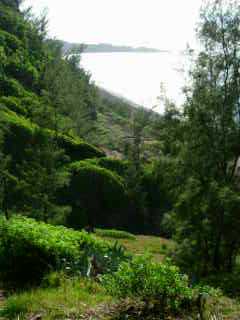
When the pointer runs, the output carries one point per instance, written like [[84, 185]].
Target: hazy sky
[[164, 24]]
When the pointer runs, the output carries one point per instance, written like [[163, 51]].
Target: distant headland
[[107, 47]]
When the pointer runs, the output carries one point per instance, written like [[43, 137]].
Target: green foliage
[[90, 182], [71, 300], [228, 283], [11, 87], [68, 89], [9, 42], [15, 308], [21, 133], [116, 234], [118, 166], [159, 183], [12, 22], [53, 279], [77, 149], [150, 281], [5, 178], [13, 104], [207, 205], [30, 249], [40, 177], [21, 43]]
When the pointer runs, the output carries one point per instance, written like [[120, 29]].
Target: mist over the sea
[[138, 76]]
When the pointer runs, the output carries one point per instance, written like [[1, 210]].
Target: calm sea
[[138, 76]]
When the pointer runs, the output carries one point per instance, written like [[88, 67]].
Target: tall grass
[[117, 234]]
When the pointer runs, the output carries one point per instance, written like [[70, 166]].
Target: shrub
[[21, 134], [13, 104], [31, 249], [118, 166], [77, 149], [10, 42], [53, 279], [16, 307], [21, 70], [11, 87], [117, 234], [161, 284], [97, 196], [12, 22]]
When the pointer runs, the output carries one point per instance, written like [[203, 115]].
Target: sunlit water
[[138, 76]]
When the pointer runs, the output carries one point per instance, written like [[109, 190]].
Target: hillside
[[114, 123], [53, 122], [107, 210], [43, 100]]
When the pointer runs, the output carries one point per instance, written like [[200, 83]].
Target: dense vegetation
[[174, 175], [30, 249]]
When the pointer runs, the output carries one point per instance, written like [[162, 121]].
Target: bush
[[31, 249], [97, 197], [10, 42], [12, 22], [13, 104], [21, 133], [77, 149], [53, 279], [11, 87], [21, 70], [118, 166], [117, 234], [161, 284]]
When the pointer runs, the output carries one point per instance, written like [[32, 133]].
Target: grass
[[85, 299], [229, 308], [82, 299], [114, 234], [156, 246], [68, 301]]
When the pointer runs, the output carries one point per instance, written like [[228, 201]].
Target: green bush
[[117, 234], [12, 22], [31, 249], [77, 149], [10, 42], [161, 284], [23, 71], [118, 166], [21, 133], [97, 197], [53, 279], [11, 87], [14, 104]]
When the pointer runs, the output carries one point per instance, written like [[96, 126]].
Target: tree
[[3, 178], [208, 206], [41, 175], [12, 3], [67, 88], [134, 149], [169, 128], [8, 182]]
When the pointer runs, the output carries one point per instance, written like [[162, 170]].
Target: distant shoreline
[[137, 51], [109, 48]]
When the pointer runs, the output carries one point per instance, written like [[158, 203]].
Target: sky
[[161, 24]]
